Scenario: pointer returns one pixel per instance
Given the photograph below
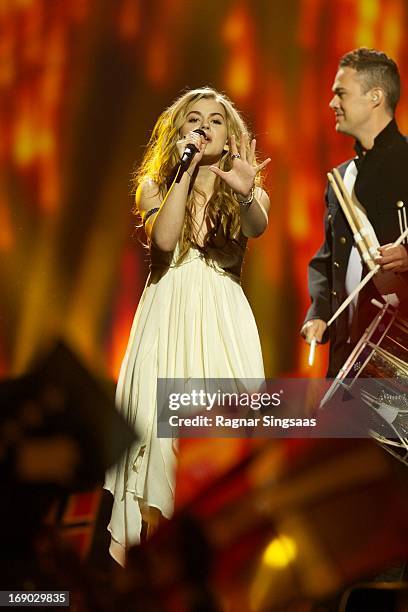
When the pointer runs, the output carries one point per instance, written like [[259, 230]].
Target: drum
[[377, 372]]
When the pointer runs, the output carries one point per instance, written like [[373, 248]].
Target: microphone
[[185, 161], [190, 151]]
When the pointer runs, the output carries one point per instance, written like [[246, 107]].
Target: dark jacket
[[382, 180]]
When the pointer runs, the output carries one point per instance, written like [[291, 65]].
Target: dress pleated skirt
[[193, 321]]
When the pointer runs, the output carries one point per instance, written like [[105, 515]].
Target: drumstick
[[312, 351], [404, 216], [344, 206], [371, 249], [351, 219], [365, 280], [358, 238], [400, 205], [346, 199]]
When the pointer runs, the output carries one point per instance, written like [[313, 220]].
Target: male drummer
[[366, 91]]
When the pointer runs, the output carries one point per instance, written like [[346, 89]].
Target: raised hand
[[241, 177]]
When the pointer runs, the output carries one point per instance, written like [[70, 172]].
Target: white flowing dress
[[193, 320]]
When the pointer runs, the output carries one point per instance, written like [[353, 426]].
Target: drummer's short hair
[[377, 70]]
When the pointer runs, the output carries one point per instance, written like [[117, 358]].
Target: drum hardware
[[379, 362]]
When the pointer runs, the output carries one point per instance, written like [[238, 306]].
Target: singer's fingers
[[192, 137], [186, 140], [243, 146], [197, 139], [251, 155], [233, 142], [263, 164], [218, 172]]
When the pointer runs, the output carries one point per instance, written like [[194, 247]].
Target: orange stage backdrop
[[82, 83]]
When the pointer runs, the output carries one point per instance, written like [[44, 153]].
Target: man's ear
[[376, 96]]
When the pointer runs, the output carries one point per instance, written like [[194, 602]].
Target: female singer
[[193, 319]]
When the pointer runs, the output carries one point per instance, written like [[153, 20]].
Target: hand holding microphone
[[194, 142]]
